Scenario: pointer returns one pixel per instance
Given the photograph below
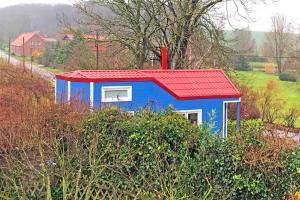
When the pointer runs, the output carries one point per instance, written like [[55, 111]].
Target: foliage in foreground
[[150, 156]]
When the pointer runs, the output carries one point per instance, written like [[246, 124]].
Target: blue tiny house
[[193, 93]]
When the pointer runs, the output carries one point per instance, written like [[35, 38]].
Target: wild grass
[[27, 108], [290, 90]]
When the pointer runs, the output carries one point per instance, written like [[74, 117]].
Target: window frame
[[112, 88], [187, 112]]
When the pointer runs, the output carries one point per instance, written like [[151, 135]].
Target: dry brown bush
[[28, 113], [270, 68], [249, 109], [270, 102], [268, 154]]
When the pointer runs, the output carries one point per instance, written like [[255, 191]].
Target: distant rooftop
[[27, 36]]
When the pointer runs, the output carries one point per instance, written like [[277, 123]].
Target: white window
[[130, 112], [116, 93], [194, 116]]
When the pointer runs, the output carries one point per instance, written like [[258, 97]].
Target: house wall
[[80, 92], [16, 50], [61, 91], [147, 94]]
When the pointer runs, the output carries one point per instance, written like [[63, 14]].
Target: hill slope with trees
[[33, 17]]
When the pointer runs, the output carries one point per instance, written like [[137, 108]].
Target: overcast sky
[[260, 15], [4, 3]]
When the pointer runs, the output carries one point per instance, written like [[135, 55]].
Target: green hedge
[[152, 156], [287, 77]]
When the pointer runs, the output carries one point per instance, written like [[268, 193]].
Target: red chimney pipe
[[164, 59]]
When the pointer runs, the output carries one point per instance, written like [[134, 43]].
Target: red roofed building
[[194, 93], [33, 42], [90, 41]]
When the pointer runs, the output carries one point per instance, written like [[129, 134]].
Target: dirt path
[[35, 68]]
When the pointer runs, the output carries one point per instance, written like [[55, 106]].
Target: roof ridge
[[145, 74], [179, 70], [79, 72]]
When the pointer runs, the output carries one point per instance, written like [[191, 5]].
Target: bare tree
[[243, 42], [280, 41], [205, 53], [124, 22], [144, 26]]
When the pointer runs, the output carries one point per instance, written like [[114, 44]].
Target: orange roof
[[19, 40]]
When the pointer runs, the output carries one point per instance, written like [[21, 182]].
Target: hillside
[[32, 17], [256, 35]]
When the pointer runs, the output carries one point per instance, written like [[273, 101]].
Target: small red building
[[33, 43]]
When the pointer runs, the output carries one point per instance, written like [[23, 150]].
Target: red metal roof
[[182, 84], [19, 40], [49, 40]]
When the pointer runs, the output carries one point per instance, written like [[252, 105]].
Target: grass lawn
[[290, 90], [53, 70]]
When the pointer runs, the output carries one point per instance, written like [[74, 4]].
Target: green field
[[290, 90]]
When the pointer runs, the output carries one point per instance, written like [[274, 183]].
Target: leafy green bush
[[287, 77], [151, 156]]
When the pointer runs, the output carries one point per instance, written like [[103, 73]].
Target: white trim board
[[225, 116], [55, 89], [92, 94], [69, 91]]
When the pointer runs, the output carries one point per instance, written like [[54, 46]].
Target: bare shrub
[[291, 115], [270, 68], [270, 102], [269, 154], [28, 112], [249, 108]]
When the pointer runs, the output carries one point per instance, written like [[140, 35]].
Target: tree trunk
[[179, 55]]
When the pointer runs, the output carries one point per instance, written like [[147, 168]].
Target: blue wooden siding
[[80, 91], [61, 91], [151, 95]]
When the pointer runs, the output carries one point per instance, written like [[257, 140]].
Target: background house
[[33, 42], [194, 93], [91, 41]]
